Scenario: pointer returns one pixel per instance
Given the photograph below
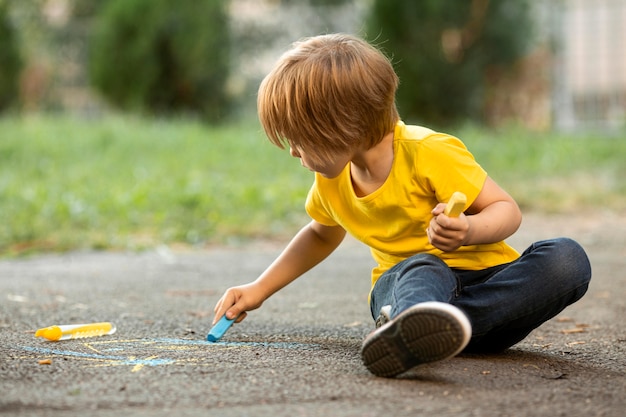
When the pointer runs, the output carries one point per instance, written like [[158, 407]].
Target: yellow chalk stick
[[456, 205]]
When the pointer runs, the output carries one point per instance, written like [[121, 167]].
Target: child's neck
[[369, 169]]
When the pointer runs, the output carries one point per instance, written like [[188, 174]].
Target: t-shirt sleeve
[[445, 166], [316, 208]]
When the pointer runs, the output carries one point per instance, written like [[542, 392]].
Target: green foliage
[[10, 60], [133, 183], [441, 49], [163, 56], [554, 172], [128, 183]]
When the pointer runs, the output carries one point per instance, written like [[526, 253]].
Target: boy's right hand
[[236, 301]]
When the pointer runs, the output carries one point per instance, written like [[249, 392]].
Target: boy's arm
[[493, 216], [311, 245]]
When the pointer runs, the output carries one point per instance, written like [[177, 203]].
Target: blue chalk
[[219, 329]]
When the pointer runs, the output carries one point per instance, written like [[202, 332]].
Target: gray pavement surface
[[299, 354]]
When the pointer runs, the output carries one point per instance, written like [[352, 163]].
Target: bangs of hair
[[329, 94]]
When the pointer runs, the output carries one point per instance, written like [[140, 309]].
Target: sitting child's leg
[[504, 309], [424, 327], [417, 279], [429, 311]]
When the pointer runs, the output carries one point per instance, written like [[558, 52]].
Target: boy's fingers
[[224, 303], [230, 306], [242, 316], [216, 318], [439, 208], [237, 311], [451, 223], [235, 302], [232, 313]]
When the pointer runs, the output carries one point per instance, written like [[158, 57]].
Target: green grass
[[131, 183], [553, 172]]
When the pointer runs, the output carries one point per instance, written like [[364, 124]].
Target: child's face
[[327, 169]]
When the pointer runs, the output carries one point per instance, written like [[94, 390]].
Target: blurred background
[[120, 119], [545, 64]]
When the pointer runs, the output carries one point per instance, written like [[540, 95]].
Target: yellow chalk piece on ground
[[75, 331]]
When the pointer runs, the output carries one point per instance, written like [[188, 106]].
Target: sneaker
[[426, 332], [384, 317]]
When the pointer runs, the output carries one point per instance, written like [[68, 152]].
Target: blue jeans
[[504, 303]]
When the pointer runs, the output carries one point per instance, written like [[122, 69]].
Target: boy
[[442, 284]]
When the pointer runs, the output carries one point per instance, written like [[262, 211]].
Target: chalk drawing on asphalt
[[139, 353]]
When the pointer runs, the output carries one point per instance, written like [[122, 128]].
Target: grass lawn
[[130, 183]]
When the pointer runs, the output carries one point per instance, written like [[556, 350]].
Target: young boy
[[442, 285]]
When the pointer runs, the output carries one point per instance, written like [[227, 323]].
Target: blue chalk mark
[[160, 344], [123, 360], [275, 345]]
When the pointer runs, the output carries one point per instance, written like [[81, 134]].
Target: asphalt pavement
[[298, 355]]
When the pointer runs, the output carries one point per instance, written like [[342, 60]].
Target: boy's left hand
[[447, 233]]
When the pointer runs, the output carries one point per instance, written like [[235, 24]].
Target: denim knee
[[416, 261], [568, 261], [420, 278]]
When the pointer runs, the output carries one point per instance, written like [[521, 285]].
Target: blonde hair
[[329, 94]]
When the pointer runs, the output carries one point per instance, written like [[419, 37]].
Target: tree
[[163, 56], [442, 48], [10, 60]]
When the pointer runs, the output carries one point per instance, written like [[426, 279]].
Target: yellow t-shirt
[[428, 167]]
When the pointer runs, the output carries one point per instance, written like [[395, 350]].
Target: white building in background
[[589, 76]]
